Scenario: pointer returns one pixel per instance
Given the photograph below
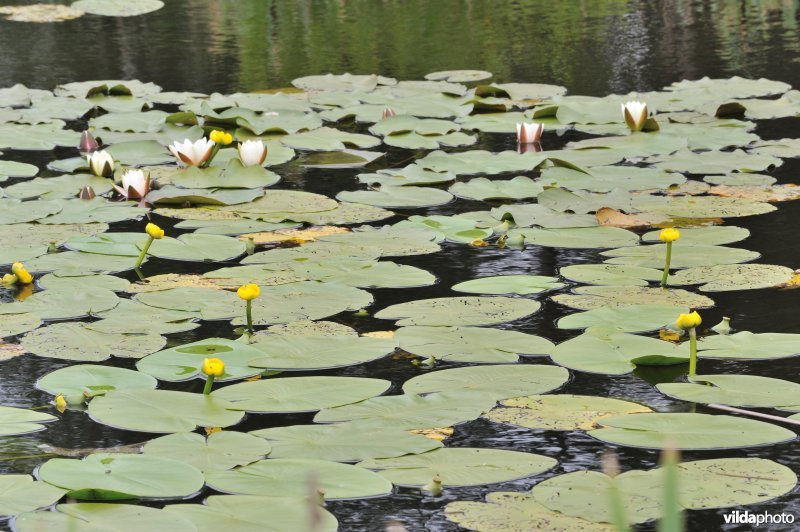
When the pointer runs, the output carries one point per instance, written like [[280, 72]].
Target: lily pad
[[290, 353], [14, 421], [483, 189], [595, 297], [116, 476], [185, 362], [20, 493], [92, 379], [728, 277], [560, 411], [343, 442], [458, 76], [630, 318], [220, 451], [470, 344], [610, 274], [328, 139], [283, 477], [460, 466], [76, 341], [608, 178], [459, 311], [88, 517], [232, 175], [14, 324], [398, 197], [299, 394], [682, 256], [735, 390], [685, 431], [577, 237], [745, 345], [452, 228], [713, 235]]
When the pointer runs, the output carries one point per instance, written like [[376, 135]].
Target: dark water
[[592, 47]]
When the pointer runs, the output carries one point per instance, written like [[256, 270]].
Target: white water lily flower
[[252, 152], [635, 115], [135, 184], [529, 133], [101, 163], [192, 153]]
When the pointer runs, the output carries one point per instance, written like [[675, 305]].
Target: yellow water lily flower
[[154, 231], [23, 276], [16, 267], [688, 321], [61, 403], [248, 292], [9, 279], [221, 137], [213, 367], [670, 234]]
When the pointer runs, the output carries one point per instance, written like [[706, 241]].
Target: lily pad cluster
[[318, 260]]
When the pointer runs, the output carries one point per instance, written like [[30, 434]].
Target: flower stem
[[209, 384], [692, 352], [250, 316], [144, 252], [666, 265]]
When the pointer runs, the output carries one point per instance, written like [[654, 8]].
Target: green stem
[[692, 352], [209, 384], [214, 152], [250, 316], [666, 265], [144, 252], [671, 518]]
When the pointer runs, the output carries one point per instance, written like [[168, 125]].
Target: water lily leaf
[[480, 162], [37, 234], [315, 353], [121, 244], [499, 381], [452, 228], [131, 475], [64, 302], [459, 311], [470, 344], [233, 175], [342, 82], [328, 139], [77, 211], [117, 8], [220, 451], [652, 144], [560, 412], [493, 122], [595, 297], [137, 122], [682, 256], [76, 341], [364, 274], [527, 215], [727, 277], [412, 411], [185, 362], [307, 394], [773, 194], [20, 493], [44, 137], [577, 237], [735, 390], [483, 189], [509, 284], [13, 211], [242, 513], [40, 13], [515, 511], [714, 235], [14, 421], [410, 175], [779, 148], [343, 442], [705, 207], [16, 169], [608, 178], [282, 122], [630, 318], [162, 411], [131, 317], [715, 162], [734, 87], [686, 431], [74, 262], [277, 205], [745, 345], [740, 179], [87, 517], [610, 274], [615, 353], [234, 227], [170, 195], [460, 466], [92, 379], [399, 124], [192, 299], [14, 324], [458, 76], [63, 281], [140, 152], [398, 197], [289, 477], [197, 247]]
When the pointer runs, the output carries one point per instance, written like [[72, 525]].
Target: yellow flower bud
[[61, 403], [688, 321], [670, 234], [249, 291], [16, 267], [221, 137], [10, 279], [23, 276], [154, 231], [213, 367]]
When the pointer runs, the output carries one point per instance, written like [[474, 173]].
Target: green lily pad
[[459, 311], [460, 467], [162, 411], [615, 353], [14, 421], [343, 442], [745, 345], [196, 247], [509, 284], [75, 341], [713, 235], [64, 302], [412, 411], [92, 379], [480, 162], [328, 139], [232, 175], [499, 381], [595, 297], [66, 280], [140, 152], [685, 431], [75, 211], [451, 228], [630, 318], [115, 476], [577, 237], [51, 188], [470, 344], [364, 274], [398, 197], [220, 451], [20, 493], [243, 513], [131, 317], [682, 256], [299, 394], [73, 262], [527, 215], [14, 324], [560, 411], [185, 362], [735, 390], [410, 175], [88, 517], [289, 477], [37, 136], [458, 76], [16, 169], [610, 274], [483, 189], [728, 277], [14, 211], [704, 206], [289, 353], [117, 8], [715, 162], [608, 178], [170, 195]]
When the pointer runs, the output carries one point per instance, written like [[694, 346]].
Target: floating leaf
[[14, 324], [220, 451], [91, 379], [500, 381], [728, 277], [682, 256], [483, 189], [610, 274], [87, 517], [714, 235], [470, 344], [459, 311], [630, 318], [15, 421], [578, 237], [20, 493], [185, 362], [595, 297], [314, 353], [745, 345], [398, 197], [509, 284], [76, 341], [735, 390]]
